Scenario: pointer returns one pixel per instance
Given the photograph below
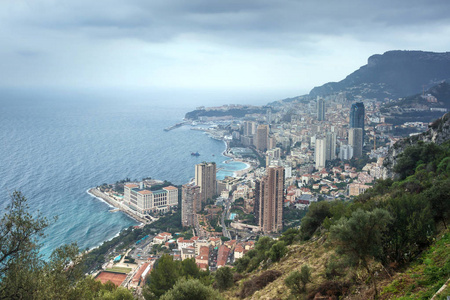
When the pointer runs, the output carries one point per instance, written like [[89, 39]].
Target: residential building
[[331, 146], [205, 178], [262, 137], [190, 203], [269, 200], [320, 153]]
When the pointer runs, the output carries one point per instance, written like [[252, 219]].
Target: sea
[[55, 144]]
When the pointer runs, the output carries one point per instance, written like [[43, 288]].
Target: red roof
[[222, 255]]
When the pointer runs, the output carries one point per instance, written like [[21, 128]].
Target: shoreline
[[95, 193]]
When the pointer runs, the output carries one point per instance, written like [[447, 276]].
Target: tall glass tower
[[357, 116]]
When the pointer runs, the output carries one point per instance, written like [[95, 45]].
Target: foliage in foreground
[[187, 289], [25, 275], [167, 272]]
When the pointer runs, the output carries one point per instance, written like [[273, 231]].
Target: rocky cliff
[[393, 74], [439, 132]]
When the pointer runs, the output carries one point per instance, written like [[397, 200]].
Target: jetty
[[175, 126]]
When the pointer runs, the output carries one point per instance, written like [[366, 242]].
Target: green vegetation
[[360, 237], [297, 281], [188, 289], [377, 235], [25, 275], [166, 274], [223, 278], [266, 252]]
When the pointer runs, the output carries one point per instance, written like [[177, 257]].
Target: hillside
[[392, 242], [393, 74]]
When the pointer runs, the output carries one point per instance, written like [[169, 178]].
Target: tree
[[190, 268], [297, 281], [163, 276], [361, 237], [19, 231], [277, 251], [191, 289], [224, 278], [25, 275]]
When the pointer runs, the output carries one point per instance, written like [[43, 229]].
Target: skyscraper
[[357, 116], [269, 200], [262, 137], [320, 153], [355, 139], [190, 203], [331, 146], [249, 128], [320, 109], [205, 178]]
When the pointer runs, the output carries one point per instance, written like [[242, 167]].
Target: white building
[[320, 153], [144, 200]]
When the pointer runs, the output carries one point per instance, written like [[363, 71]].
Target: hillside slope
[[393, 74]]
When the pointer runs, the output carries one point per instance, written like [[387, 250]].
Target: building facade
[[320, 153], [262, 137], [144, 200], [269, 200], [355, 139], [320, 109], [190, 204], [205, 178], [357, 115]]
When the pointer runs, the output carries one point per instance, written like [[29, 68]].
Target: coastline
[[94, 192]]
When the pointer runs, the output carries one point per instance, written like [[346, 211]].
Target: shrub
[[258, 282]]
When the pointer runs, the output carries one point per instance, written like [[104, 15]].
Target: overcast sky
[[278, 44]]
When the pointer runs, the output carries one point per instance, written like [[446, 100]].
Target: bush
[[190, 289], [258, 282], [297, 281], [277, 251], [330, 290], [224, 278]]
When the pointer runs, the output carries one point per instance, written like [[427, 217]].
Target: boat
[[195, 154]]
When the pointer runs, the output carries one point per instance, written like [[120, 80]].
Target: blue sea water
[[55, 145]]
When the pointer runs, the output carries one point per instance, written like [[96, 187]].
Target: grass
[[120, 270], [425, 276]]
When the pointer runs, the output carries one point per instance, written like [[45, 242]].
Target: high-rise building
[[357, 115], [331, 146], [269, 200], [262, 137], [190, 203], [205, 178], [320, 152], [346, 152], [320, 109], [355, 139], [249, 128]]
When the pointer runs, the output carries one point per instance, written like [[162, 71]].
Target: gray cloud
[[311, 33]]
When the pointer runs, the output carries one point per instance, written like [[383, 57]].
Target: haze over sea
[[56, 144]]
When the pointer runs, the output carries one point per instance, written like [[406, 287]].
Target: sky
[[281, 45]]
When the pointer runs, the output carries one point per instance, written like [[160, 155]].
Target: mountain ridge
[[394, 74]]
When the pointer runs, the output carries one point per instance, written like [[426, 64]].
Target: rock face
[[439, 133], [393, 74]]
